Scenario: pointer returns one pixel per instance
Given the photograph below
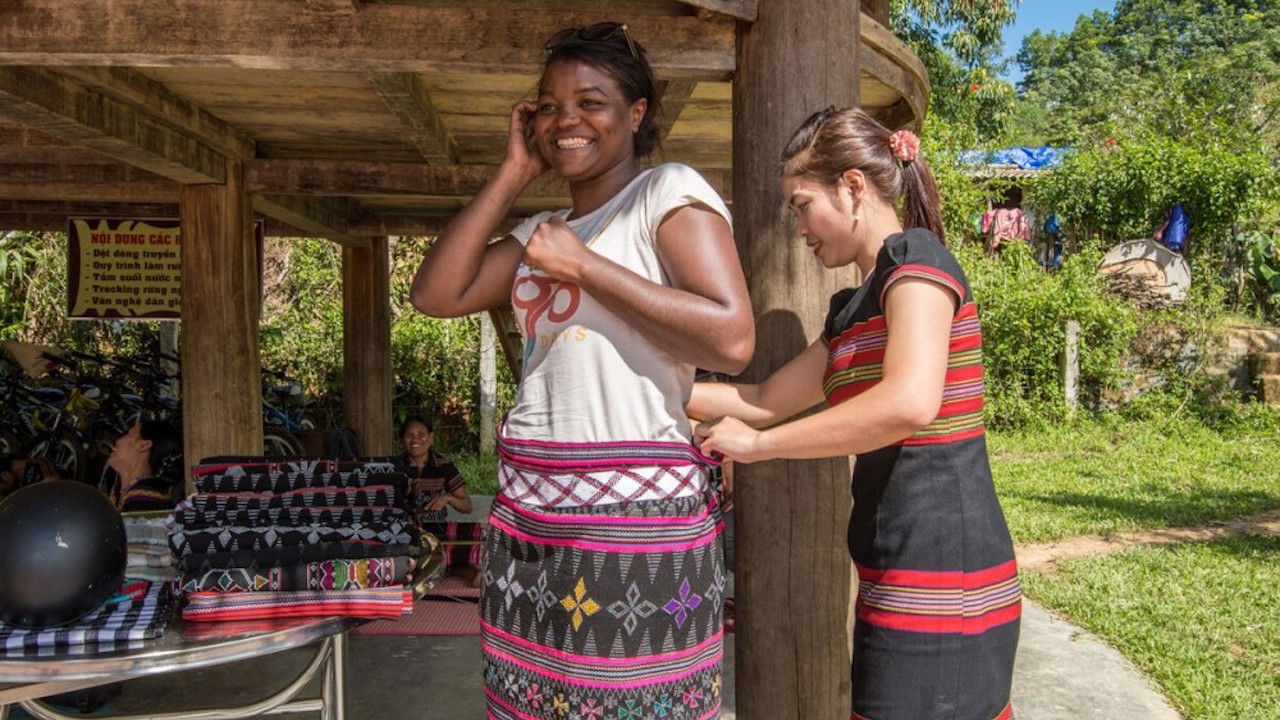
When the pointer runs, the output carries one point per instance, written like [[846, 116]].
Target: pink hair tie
[[904, 145]]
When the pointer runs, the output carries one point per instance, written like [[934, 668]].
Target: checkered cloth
[[112, 626]]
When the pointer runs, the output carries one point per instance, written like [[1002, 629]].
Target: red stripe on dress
[[939, 601], [924, 272]]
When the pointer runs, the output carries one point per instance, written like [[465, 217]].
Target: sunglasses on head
[[599, 32]]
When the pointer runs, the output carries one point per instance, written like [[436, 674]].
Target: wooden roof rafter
[[352, 118], [408, 98], [740, 9], [63, 107], [385, 37]]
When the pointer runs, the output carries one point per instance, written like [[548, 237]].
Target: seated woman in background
[[147, 461], [436, 486]]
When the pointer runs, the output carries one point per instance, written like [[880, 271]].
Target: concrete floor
[[1062, 673], [388, 678]]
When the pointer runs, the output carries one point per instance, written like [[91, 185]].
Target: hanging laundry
[[1007, 225]]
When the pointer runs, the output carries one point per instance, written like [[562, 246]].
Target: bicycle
[[283, 414]]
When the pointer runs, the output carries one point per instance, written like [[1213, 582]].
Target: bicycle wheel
[[280, 443], [9, 444], [64, 450]]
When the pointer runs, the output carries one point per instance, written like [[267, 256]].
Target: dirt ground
[[1044, 557]]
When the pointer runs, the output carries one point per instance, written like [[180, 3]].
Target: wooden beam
[[741, 9], [675, 93], [352, 178], [380, 37], [900, 115], [332, 7], [62, 107], [883, 55], [313, 217], [63, 208], [408, 98], [153, 99], [877, 10], [371, 225], [88, 174], [134, 191]]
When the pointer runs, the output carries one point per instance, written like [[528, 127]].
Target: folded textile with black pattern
[[241, 474], [234, 538]]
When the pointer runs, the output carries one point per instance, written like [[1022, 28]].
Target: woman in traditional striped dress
[[899, 365], [603, 570]]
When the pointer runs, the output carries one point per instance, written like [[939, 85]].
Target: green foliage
[[18, 256], [968, 29], [1024, 312], [1191, 70], [301, 324], [34, 309], [1262, 264], [958, 42], [480, 470], [435, 362], [1118, 191]]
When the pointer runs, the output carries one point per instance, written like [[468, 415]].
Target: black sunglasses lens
[[599, 32]]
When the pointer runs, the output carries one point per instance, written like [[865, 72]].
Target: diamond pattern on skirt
[[607, 486]]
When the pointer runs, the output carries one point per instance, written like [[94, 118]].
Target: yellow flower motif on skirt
[[560, 705], [580, 605]]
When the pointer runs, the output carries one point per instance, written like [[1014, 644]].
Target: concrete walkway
[[1062, 673]]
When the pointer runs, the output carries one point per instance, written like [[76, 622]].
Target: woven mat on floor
[[429, 617], [452, 586]]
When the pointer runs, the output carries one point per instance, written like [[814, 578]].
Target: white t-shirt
[[589, 376]]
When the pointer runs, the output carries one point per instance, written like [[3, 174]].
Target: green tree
[[1196, 70], [959, 44]]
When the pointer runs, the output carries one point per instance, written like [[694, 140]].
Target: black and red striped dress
[[939, 600]]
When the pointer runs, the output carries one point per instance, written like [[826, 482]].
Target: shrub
[[1024, 312]]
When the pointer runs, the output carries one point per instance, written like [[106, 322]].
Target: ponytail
[[833, 140], [921, 203]]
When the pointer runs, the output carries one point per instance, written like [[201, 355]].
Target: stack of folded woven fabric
[[294, 537], [149, 557]]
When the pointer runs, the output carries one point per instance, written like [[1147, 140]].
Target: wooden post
[[793, 573], [366, 345], [221, 367], [1071, 364]]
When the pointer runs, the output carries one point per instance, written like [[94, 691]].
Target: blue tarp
[[1026, 158]]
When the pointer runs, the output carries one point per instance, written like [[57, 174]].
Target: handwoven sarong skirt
[[604, 611]]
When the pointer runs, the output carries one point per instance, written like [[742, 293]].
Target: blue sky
[[1046, 16]]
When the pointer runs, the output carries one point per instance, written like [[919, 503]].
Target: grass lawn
[[1202, 620], [1090, 478]]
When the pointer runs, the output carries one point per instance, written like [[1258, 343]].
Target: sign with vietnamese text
[[124, 268]]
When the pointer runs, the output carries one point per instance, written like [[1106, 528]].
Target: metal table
[[24, 679]]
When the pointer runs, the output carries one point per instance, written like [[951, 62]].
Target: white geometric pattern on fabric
[[632, 484]]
